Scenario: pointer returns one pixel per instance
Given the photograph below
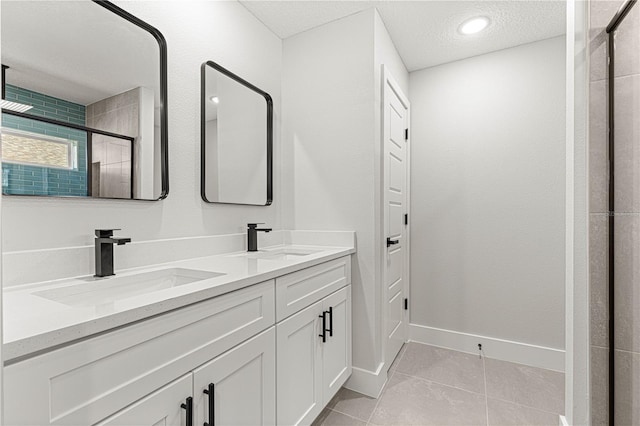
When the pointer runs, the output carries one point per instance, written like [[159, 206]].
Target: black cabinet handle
[[188, 406], [324, 326], [391, 242], [209, 392], [331, 321]]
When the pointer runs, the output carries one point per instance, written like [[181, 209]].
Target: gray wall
[[487, 195]]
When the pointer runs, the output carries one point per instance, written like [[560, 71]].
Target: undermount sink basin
[[93, 291], [280, 254]]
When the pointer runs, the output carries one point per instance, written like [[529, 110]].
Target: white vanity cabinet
[[242, 383], [256, 351], [89, 381], [162, 407], [314, 344]]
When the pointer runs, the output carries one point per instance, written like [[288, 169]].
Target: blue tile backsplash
[[25, 179]]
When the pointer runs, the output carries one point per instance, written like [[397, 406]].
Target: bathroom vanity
[[241, 338]]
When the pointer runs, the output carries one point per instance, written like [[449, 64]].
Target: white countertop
[[33, 324]]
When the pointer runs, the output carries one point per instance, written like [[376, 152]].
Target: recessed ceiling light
[[215, 99], [474, 25]]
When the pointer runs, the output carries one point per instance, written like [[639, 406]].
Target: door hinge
[[406, 304], [406, 134], [406, 218]]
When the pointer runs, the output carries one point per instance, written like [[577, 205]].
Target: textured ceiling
[[425, 32]]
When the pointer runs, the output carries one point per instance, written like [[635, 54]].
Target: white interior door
[[396, 155]]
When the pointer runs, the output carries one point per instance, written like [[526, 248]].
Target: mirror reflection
[[237, 138], [82, 102]]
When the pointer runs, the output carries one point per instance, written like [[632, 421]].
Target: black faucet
[[104, 251], [252, 235]]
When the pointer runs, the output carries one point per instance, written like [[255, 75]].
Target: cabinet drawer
[[84, 383], [163, 407], [300, 289]]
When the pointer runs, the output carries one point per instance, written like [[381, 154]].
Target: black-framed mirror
[[236, 139], [84, 102]]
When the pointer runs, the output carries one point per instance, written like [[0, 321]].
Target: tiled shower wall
[[23, 179], [627, 215], [118, 114]]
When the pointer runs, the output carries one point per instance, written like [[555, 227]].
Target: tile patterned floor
[[434, 386]]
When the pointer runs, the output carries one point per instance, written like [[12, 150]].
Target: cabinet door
[[244, 384], [336, 352], [162, 407], [300, 367]]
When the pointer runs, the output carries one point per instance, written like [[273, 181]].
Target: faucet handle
[[105, 233], [254, 225]]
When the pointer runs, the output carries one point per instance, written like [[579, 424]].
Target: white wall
[[224, 32], [241, 144], [331, 135], [328, 135], [385, 54], [488, 195]]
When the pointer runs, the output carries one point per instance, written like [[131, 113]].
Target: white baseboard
[[563, 421], [367, 382], [505, 350]]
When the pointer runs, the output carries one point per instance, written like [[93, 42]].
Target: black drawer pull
[[210, 392], [188, 406], [324, 326], [331, 321]]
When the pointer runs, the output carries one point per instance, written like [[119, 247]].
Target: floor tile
[[451, 368], [412, 401], [396, 361], [353, 404], [333, 418], [530, 386], [502, 413]]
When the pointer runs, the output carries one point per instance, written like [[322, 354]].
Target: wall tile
[[601, 13], [627, 143], [627, 40], [627, 277], [60, 110], [598, 148], [599, 278], [599, 386], [627, 409]]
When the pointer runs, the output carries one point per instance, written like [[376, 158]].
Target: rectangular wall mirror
[[84, 93], [236, 140]]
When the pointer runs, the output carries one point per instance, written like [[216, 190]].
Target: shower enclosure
[[615, 214]]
